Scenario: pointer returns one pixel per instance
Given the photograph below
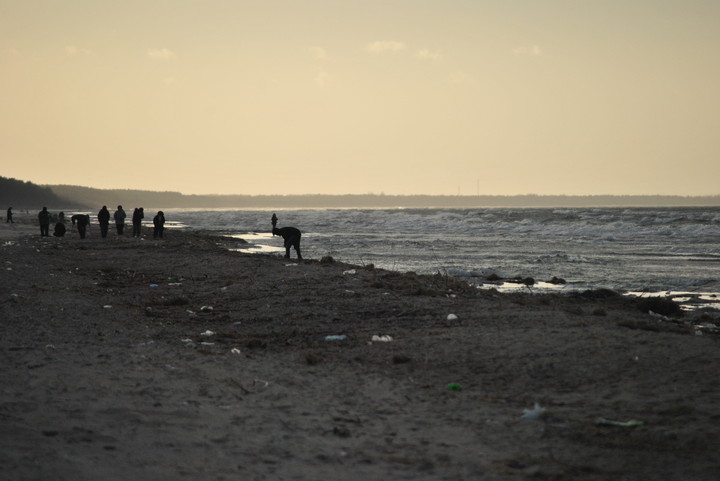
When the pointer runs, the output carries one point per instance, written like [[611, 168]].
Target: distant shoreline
[[97, 197]]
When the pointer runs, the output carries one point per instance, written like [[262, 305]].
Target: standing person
[[9, 216], [159, 223], [82, 221], [120, 220], [138, 215], [44, 218], [104, 221]]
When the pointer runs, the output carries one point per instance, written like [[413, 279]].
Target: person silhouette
[[138, 215], [119, 217], [59, 230], [44, 218], [82, 221], [292, 236], [159, 224], [104, 221], [9, 216]]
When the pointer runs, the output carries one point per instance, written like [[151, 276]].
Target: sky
[[397, 97]]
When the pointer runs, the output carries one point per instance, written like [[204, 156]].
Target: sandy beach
[[173, 359]]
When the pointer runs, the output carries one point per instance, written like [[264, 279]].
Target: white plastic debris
[[658, 316], [107, 306], [382, 339], [350, 272], [235, 350], [206, 309], [186, 340], [207, 333], [533, 413], [207, 343], [452, 317]]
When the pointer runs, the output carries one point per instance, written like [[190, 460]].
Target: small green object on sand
[[455, 386]]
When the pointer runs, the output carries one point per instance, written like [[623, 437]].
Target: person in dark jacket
[[120, 220], [44, 218], [159, 224], [9, 216], [291, 235], [104, 221], [82, 221], [59, 230], [138, 215]]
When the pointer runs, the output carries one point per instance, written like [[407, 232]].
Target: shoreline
[[179, 359]]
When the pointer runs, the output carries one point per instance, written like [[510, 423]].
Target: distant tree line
[[26, 195], [21, 194], [94, 197]]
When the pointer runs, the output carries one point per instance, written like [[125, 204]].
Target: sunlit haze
[[362, 96]]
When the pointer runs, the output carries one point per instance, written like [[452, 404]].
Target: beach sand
[[179, 359]]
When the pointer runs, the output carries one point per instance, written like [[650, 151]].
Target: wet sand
[[179, 359]]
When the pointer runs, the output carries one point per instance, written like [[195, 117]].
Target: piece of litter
[[350, 272], [453, 386], [341, 337], [208, 333], [235, 350], [207, 343], [107, 306], [452, 317], [621, 424], [533, 413], [291, 265], [382, 339], [206, 309], [186, 340], [153, 285], [174, 284]]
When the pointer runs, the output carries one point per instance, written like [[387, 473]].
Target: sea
[[665, 251]]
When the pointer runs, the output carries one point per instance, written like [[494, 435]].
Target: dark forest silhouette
[[21, 194]]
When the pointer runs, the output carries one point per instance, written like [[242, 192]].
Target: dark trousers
[[45, 230], [158, 232], [295, 243], [104, 229], [120, 228]]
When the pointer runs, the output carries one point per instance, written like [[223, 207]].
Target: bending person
[[291, 235]]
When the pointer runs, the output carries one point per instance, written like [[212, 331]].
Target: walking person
[[159, 224], [104, 221], [119, 217], [138, 216], [44, 218], [9, 216]]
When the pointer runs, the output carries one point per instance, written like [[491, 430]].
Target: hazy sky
[[359, 96]]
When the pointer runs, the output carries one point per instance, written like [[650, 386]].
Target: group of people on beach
[[291, 235], [82, 221]]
